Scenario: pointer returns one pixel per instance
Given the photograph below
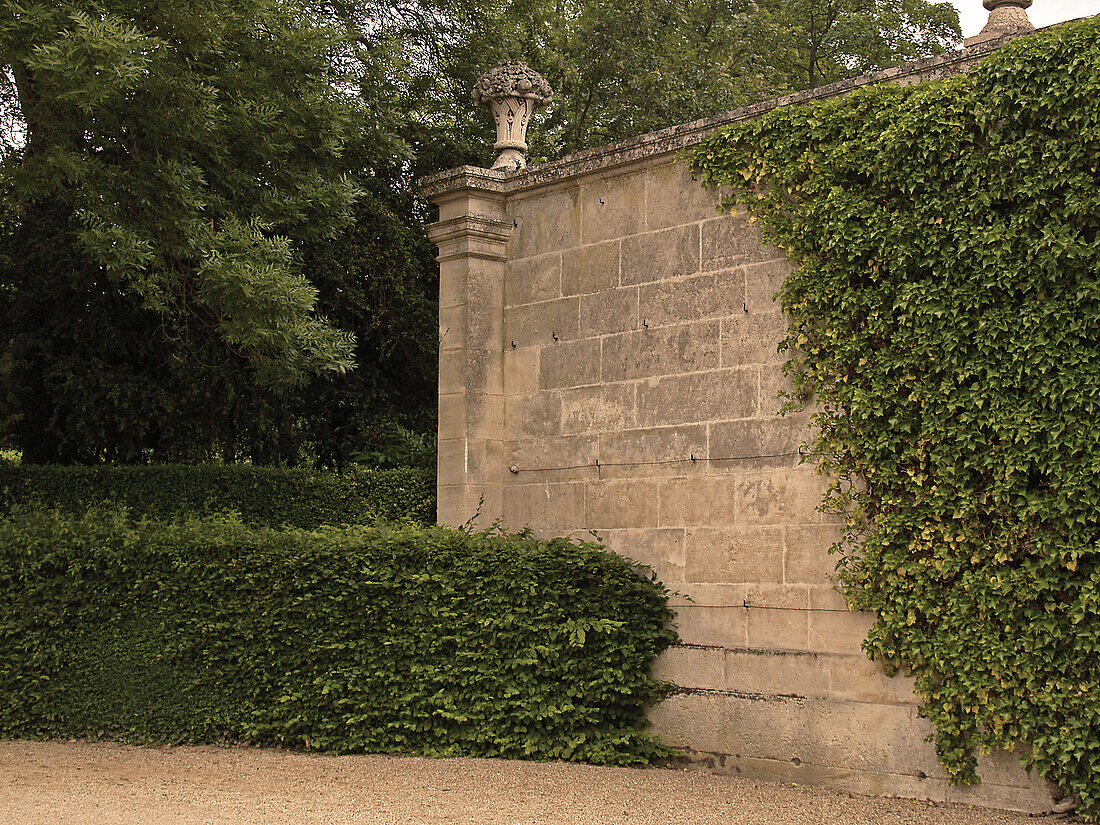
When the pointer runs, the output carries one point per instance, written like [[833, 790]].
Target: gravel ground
[[85, 783]]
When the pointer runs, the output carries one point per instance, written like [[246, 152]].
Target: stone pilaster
[[471, 234]]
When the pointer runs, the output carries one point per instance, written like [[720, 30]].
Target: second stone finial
[[512, 91]]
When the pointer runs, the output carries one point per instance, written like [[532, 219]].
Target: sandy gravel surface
[[86, 783]]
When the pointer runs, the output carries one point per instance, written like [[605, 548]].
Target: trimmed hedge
[[382, 639], [264, 496]]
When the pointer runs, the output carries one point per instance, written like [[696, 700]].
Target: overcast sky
[[1042, 12]]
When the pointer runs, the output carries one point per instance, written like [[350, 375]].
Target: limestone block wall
[[609, 363]]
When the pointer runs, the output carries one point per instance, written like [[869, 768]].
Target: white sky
[[973, 15]]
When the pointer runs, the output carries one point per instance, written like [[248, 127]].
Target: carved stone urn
[[1006, 17], [512, 91]]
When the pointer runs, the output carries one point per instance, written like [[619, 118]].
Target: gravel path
[[91, 783]]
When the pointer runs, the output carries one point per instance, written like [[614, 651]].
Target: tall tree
[[171, 158]]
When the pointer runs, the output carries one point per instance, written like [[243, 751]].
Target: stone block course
[[619, 503], [602, 408], [661, 549], [661, 255], [735, 554], [529, 280], [752, 338], [698, 397], [569, 364], [592, 268], [673, 198], [535, 325], [646, 353], [763, 282], [612, 311], [733, 240], [545, 222], [628, 453], [612, 207], [689, 299]]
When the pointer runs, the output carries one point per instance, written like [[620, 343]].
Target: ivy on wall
[[946, 320]]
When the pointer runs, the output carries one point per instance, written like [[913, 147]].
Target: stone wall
[[609, 363]]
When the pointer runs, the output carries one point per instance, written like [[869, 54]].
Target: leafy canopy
[[179, 148], [946, 318]]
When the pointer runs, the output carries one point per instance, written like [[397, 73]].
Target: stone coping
[[682, 135]]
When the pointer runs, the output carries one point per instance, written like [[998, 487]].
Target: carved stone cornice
[[464, 178], [470, 236]]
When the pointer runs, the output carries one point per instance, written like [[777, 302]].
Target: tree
[[167, 162], [622, 69], [820, 41]]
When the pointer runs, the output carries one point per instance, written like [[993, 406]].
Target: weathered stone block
[[637, 452], [755, 444], [646, 353], [528, 280], [598, 408], [451, 462], [781, 497], [558, 508], [807, 558], [859, 679], [545, 222], [663, 550], [602, 313], [697, 502], [535, 325], [692, 667], [688, 299], [610, 504], [673, 198], [613, 207], [776, 672], [839, 632], [777, 628], [705, 396], [773, 388], [521, 370], [452, 416], [525, 416], [452, 327], [752, 338], [735, 554], [763, 282], [569, 364], [588, 269], [732, 240], [559, 454], [452, 371], [661, 255], [722, 626]]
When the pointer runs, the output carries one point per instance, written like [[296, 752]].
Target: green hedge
[[381, 639], [264, 496]]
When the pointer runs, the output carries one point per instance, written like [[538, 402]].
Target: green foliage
[[946, 316], [356, 639], [262, 496], [174, 157]]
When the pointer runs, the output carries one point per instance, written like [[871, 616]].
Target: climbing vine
[[946, 321]]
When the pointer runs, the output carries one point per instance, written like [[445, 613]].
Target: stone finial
[[1006, 17], [512, 91]]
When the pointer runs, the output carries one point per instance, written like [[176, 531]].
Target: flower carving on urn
[[511, 91]]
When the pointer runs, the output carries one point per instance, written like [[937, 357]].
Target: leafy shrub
[[384, 639], [268, 496], [946, 316]]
